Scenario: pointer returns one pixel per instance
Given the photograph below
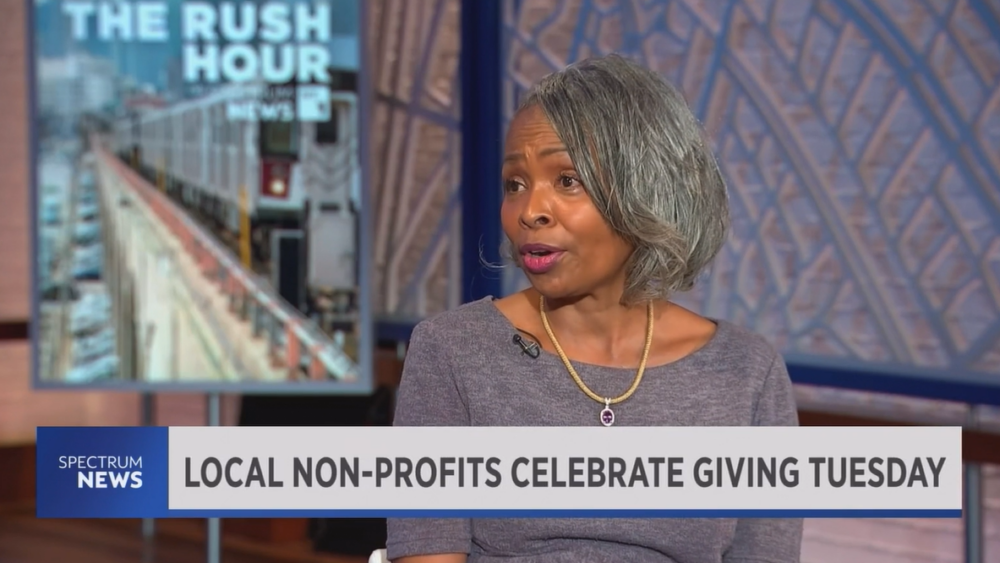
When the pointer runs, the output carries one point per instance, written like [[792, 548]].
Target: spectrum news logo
[[104, 471]]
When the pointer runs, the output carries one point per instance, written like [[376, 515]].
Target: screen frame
[[364, 384]]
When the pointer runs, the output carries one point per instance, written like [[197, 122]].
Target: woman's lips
[[540, 263]]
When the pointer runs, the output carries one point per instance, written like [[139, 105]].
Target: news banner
[[499, 472]]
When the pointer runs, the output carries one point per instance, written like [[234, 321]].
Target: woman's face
[[562, 241]]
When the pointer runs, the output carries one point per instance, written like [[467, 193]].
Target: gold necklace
[[607, 415]]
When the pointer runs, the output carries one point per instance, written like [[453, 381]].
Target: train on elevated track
[[217, 157]]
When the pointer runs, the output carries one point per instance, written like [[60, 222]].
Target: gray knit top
[[463, 369]]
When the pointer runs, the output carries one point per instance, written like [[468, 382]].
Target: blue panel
[[389, 329], [481, 147], [971, 392]]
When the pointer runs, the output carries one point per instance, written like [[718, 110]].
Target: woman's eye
[[511, 185], [568, 181]]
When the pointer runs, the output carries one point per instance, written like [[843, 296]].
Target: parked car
[[51, 210], [87, 211], [91, 312], [87, 232], [88, 262], [86, 179], [90, 347], [104, 367], [54, 292]]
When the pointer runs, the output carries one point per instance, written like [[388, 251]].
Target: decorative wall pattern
[[861, 143], [415, 150]]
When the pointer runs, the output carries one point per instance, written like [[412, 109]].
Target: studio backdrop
[[861, 147]]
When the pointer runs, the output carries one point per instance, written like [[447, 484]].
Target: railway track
[[321, 307]]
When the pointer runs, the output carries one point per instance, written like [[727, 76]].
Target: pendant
[[607, 415]]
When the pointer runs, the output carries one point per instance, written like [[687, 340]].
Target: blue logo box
[[107, 472]]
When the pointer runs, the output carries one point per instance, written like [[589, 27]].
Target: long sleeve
[[766, 540], [429, 395]]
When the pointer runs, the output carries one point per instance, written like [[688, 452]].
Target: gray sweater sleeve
[[428, 395], [762, 540]]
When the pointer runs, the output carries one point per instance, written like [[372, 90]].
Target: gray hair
[[644, 159]]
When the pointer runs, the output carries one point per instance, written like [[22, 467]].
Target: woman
[[612, 202]]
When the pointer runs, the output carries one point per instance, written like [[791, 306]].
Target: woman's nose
[[537, 210]]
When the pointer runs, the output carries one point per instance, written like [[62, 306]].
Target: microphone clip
[[530, 348]]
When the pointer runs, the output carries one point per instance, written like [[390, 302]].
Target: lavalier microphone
[[530, 348]]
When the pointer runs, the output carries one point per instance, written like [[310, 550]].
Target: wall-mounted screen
[[200, 211]]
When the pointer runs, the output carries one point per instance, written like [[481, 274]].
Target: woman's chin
[[550, 289]]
